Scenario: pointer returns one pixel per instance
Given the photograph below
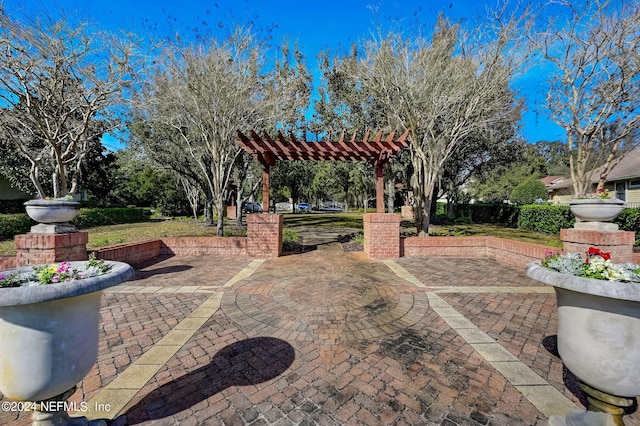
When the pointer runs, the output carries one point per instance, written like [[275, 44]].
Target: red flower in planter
[[593, 251]]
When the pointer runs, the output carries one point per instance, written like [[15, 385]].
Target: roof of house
[[556, 182], [627, 168], [548, 180]]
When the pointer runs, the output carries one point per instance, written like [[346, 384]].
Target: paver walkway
[[327, 337]]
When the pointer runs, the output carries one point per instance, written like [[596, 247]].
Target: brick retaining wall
[[204, 246], [471, 247], [132, 254], [509, 252], [137, 253]]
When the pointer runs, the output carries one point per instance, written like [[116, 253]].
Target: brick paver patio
[[327, 338]]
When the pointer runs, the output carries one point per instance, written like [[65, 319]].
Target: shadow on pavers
[[141, 275], [247, 362]]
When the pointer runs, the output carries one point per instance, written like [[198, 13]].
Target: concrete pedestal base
[[582, 418], [596, 226], [53, 228]]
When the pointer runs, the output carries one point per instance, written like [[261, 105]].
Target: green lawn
[[116, 234]]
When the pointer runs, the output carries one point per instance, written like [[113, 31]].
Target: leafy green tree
[[296, 176], [528, 192], [497, 184], [362, 177]]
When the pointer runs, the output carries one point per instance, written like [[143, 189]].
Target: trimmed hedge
[[629, 220], [14, 224], [504, 214], [545, 218], [88, 218]]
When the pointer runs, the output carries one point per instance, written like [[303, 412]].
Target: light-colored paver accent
[[536, 389], [114, 397], [134, 377], [246, 272], [473, 335], [493, 352], [158, 355], [539, 392], [403, 273], [547, 399]]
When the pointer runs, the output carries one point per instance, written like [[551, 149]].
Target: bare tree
[[594, 82], [202, 95], [446, 91], [56, 80]]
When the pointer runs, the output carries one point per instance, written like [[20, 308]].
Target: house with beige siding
[[623, 181]]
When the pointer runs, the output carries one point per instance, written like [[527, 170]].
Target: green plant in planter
[[55, 273]]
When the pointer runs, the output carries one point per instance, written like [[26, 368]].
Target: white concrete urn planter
[[598, 335], [49, 337], [596, 209], [53, 216]]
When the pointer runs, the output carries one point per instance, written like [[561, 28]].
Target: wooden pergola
[[268, 150]]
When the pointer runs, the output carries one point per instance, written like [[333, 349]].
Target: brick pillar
[[619, 243], [264, 235], [381, 235], [34, 248]]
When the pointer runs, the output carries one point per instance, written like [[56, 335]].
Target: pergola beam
[[268, 150]]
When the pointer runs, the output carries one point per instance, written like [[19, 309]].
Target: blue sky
[[317, 25]]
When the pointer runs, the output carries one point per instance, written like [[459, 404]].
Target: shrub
[[290, 239], [89, 218], [14, 224], [545, 218], [528, 192], [629, 220]]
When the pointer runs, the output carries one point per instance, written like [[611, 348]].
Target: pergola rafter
[[268, 150]]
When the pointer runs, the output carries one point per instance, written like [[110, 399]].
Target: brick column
[[34, 248], [381, 235], [619, 243], [264, 235]]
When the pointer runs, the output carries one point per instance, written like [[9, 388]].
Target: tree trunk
[[239, 202], [208, 208], [390, 196], [425, 219], [220, 223]]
